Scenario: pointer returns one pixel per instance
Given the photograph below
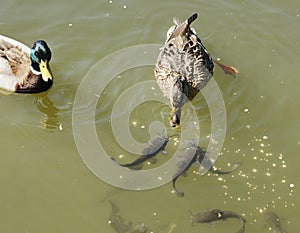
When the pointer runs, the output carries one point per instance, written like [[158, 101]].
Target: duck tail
[[192, 18]]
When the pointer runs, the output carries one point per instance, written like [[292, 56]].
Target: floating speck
[[124, 6], [70, 25], [110, 1], [292, 185], [121, 177], [254, 170], [246, 110], [265, 137], [121, 156], [119, 76], [60, 127], [143, 127], [268, 174], [153, 88], [134, 123], [159, 178]]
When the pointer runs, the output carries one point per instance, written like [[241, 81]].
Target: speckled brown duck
[[184, 66]]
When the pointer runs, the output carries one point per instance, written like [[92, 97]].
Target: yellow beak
[[45, 70]]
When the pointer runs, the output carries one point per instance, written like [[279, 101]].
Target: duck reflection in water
[[49, 119]]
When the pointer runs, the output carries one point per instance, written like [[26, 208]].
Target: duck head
[[40, 56], [178, 97]]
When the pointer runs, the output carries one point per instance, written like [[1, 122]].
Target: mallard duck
[[184, 66], [23, 70]]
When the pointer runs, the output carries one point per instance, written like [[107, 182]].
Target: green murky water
[[46, 187]]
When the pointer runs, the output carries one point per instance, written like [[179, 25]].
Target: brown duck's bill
[[175, 117], [227, 69]]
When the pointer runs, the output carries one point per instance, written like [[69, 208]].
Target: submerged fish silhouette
[[119, 225], [192, 155], [156, 145], [215, 215], [273, 222]]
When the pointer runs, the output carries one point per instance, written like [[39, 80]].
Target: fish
[[189, 157], [156, 145], [208, 164], [120, 226], [215, 215], [273, 222], [116, 220], [192, 155]]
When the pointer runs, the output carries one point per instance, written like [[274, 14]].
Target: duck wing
[[14, 60], [183, 57]]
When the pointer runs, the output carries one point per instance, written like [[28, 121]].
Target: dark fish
[[120, 226], [116, 220], [192, 155], [273, 222], [215, 215], [208, 164], [189, 158], [156, 145]]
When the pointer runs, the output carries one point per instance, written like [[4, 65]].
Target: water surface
[[45, 186]]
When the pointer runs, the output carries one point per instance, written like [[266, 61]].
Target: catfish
[[215, 215], [156, 146], [273, 222], [195, 154]]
